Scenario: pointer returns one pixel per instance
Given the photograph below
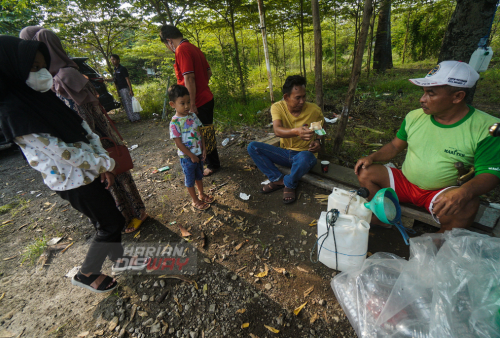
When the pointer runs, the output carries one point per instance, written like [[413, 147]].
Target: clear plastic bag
[[450, 287], [136, 106]]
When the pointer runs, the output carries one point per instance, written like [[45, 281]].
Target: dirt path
[[243, 237]]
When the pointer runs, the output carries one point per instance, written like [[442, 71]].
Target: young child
[[184, 131]]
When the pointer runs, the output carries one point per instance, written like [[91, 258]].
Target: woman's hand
[[109, 177]]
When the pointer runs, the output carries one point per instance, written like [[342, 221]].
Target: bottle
[[225, 142]]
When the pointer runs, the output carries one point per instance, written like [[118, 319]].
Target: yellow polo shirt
[[310, 113]]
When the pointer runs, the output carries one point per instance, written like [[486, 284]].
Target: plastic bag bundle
[[450, 287]]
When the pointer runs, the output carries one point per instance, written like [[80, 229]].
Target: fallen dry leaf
[[99, 332], [142, 313], [314, 318], [279, 270], [184, 232], [301, 269], [252, 335], [239, 246], [138, 234], [3, 295], [297, 310], [241, 269], [206, 260], [6, 222], [203, 240], [245, 325], [9, 258], [308, 291], [272, 329], [241, 311], [263, 274], [83, 334]]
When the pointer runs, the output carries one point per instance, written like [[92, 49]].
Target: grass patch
[[14, 207], [8, 207], [34, 250]]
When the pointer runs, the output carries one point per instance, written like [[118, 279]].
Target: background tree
[[382, 55]]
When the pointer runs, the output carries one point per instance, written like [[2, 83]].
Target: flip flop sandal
[[201, 207], [288, 193], [270, 187], [212, 171], [139, 264], [134, 224], [209, 199], [100, 280]]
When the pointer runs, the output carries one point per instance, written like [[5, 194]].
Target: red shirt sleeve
[[185, 62]]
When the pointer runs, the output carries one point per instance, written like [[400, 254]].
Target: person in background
[[124, 87], [184, 130], [60, 145], [192, 70], [80, 95], [298, 149]]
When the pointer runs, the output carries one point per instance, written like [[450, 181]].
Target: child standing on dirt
[[184, 130]]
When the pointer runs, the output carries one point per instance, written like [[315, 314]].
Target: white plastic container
[[339, 199], [351, 237]]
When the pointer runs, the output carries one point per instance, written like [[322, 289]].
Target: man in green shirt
[[444, 131]]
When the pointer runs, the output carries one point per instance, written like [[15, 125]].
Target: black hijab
[[26, 111]]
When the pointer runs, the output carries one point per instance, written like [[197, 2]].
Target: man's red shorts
[[409, 193]]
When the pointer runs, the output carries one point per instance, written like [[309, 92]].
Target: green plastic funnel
[[383, 206]]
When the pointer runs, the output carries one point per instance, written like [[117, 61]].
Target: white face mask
[[40, 81]]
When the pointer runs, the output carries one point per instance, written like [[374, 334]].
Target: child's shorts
[[192, 171]]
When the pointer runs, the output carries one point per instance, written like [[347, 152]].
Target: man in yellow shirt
[[298, 144]]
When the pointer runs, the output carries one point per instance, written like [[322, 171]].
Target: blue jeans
[[266, 156], [192, 171]]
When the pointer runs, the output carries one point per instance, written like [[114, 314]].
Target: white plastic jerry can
[[339, 199], [350, 243]]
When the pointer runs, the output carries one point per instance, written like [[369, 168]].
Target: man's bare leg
[[463, 219], [374, 178]]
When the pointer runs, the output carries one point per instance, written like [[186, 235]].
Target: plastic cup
[[324, 166]]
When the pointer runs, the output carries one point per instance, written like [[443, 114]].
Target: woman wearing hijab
[[70, 157], [80, 95]]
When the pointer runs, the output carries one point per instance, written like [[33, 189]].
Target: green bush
[[151, 95]]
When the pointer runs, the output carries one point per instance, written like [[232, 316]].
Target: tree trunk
[[284, 52], [237, 57], [406, 35], [300, 55], [258, 56], [355, 74], [382, 55], [335, 46], [266, 49], [302, 35], [318, 54], [370, 45], [470, 22]]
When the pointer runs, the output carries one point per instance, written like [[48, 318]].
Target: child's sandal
[[202, 206], [207, 199]]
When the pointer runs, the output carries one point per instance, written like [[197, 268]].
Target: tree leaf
[[245, 325], [241, 311], [263, 274], [184, 232], [297, 310], [272, 329], [308, 291]]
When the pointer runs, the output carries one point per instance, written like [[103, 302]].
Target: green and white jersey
[[433, 148]]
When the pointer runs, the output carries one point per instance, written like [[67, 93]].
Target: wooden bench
[[487, 218]]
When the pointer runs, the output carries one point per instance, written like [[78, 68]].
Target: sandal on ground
[[208, 172], [288, 195], [98, 283], [130, 263], [202, 206], [134, 224], [207, 199], [270, 187]]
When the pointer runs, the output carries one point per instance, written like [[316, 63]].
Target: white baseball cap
[[451, 73]]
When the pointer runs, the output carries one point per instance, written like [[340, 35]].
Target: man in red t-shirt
[[193, 71]]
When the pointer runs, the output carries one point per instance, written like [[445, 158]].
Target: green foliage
[[34, 250], [151, 95]]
